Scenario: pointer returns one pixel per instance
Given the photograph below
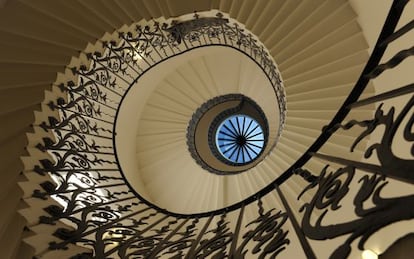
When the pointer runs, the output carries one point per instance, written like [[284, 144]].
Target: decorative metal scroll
[[332, 187], [154, 43], [267, 234], [102, 213], [387, 159]]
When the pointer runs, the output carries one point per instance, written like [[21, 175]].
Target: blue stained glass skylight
[[240, 139]]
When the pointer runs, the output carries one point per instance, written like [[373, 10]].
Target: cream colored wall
[[38, 40]]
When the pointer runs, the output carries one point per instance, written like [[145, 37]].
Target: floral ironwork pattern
[[332, 187], [380, 165], [268, 234], [102, 213]]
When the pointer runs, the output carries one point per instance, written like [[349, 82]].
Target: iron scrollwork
[[267, 233], [332, 187], [102, 211], [373, 210], [192, 30], [389, 164], [216, 246]]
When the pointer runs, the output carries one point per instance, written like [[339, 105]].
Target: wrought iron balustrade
[[110, 219]]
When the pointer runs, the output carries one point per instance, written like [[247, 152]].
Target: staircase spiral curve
[[108, 170]]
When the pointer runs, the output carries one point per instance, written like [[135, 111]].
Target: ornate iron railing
[[105, 215]]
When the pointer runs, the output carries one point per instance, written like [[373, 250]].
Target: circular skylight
[[229, 134], [240, 139]]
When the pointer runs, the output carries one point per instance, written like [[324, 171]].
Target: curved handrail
[[111, 218], [389, 27], [263, 60]]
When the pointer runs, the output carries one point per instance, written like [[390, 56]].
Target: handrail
[[154, 46], [389, 27], [221, 234]]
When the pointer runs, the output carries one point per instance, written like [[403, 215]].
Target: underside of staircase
[[143, 192]]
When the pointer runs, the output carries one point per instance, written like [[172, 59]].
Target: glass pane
[[240, 139]]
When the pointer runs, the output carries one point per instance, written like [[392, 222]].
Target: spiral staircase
[[98, 105]]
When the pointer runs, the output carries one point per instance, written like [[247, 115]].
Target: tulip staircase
[[205, 129]]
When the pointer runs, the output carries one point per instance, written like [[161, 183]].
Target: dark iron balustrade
[[107, 217]]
